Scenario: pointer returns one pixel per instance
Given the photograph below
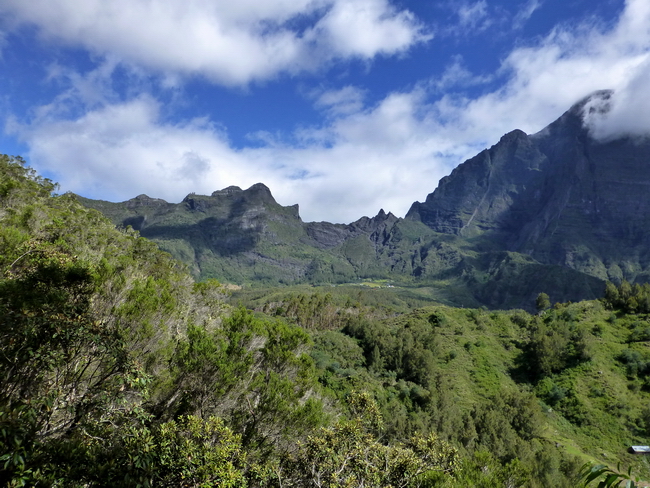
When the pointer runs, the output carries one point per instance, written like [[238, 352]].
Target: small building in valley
[[639, 449]]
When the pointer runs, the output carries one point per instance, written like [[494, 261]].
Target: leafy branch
[[607, 476]]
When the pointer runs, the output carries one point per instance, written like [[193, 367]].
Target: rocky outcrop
[[560, 196], [557, 211], [487, 192]]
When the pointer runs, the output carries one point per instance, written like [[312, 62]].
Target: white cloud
[[567, 65], [344, 101], [544, 79], [228, 42], [364, 28], [457, 75], [627, 111], [525, 13], [471, 14], [120, 150], [364, 157], [123, 149], [628, 51]]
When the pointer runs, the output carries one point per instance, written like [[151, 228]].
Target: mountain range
[[558, 212]]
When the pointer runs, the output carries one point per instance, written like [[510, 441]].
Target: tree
[[186, 452], [542, 302], [254, 372], [63, 369], [350, 454]]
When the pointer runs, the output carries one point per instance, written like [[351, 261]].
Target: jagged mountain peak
[[372, 224], [596, 102], [231, 190], [560, 196], [577, 121], [512, 136], [258, 196], [492, 190], [475, 197], [382, 215], [143, 200], [259, 190], [557, 211]]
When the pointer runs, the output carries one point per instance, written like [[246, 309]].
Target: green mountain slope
[[555, 212], [119, 370], [244, 237], [562, 387]]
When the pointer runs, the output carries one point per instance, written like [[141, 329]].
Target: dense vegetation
[[246, 238], [118, 369]]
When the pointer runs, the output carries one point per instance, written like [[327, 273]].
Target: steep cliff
[[246, 236], [559, 196], [558, 211]]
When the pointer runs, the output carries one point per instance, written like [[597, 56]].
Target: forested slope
[[557, 212], [118, 369]]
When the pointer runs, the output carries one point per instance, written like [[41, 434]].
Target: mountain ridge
[[557, 211]]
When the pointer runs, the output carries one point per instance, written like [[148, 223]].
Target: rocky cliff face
[[556, 211], [246, 236], [560, 196], [487, 192]]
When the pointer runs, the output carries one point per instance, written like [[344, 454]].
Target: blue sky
[[341, 106]]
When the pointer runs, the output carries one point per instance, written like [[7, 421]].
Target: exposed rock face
[[327, 236], [559, 196], [557, 211], [486, 192], [242, 235]]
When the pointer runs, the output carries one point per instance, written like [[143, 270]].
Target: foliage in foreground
[[118, 370], [107, 341], [606, 477]]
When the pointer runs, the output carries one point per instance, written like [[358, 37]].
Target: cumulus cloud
[[123, 149], [627, 111], [364, 28], [228, 42], [544, 79], [359, 163], [364, 156]]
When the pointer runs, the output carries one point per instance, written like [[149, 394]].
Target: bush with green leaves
[[350, 453], [606, 477], [255, 372]]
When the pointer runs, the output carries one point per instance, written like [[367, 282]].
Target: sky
[[344, 107]]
